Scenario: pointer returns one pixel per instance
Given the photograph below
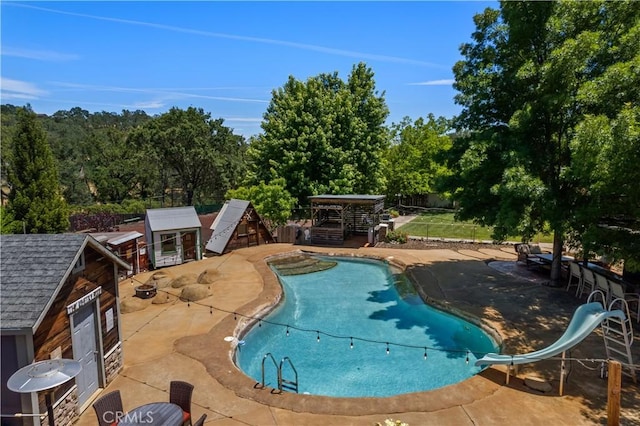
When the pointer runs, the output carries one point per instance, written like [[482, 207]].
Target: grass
[[443, 225]]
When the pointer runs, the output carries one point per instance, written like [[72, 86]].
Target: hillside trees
[[526, 83], [324, 135], [202, 156], [35, 202], [414, 161]]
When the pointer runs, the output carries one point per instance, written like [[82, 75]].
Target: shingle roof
[[32, 268], [172, 218], [225, 223]]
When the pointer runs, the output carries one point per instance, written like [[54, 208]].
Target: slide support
[[562, 373]]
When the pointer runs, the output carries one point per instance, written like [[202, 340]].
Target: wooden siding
[[55, 330], [248, 233]]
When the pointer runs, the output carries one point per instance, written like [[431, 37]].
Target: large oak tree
[[525, 84]]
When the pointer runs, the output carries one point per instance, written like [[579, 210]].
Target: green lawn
[[443, 225]]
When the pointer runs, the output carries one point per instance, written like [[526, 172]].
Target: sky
[[227, 57]]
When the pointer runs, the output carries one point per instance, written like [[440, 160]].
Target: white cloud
[[293, 44], [16, 89], [446, 82], [149, 104], [40, 55], [244, 119]]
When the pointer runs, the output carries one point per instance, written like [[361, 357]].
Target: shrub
[[398, 237]]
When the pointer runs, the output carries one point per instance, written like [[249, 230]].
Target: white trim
[[84, 300], [112, 350]]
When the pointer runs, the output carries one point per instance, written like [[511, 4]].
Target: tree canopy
[[324, 135], [35, 202], [534, 75]]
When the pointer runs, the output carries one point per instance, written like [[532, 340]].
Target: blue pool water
[[362, 299]]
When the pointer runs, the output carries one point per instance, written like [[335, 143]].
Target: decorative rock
[[160, 279], [133, 304], [194, 292], [184, 280], [537, 384], [209, 276], [163, 298]]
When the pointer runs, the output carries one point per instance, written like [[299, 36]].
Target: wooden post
[[562, 374], [613, 393]]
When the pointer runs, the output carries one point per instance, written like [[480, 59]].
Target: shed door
[[84, 351], [189, 246]]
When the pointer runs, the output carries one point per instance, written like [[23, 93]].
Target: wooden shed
[[59, 300], [237, 225], [335, 217], [173, 235], [128, 247]]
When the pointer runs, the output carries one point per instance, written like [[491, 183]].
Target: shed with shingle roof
[[59, 300], [173, 235]]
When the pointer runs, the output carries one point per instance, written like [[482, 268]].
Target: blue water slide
[[586, 318]]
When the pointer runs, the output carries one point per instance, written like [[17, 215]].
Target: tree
[[201, 153], [413, 163], [272, 201], [525, 84], [323, 136], [35, 199]]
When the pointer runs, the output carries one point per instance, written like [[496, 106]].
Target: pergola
[[335, 217]]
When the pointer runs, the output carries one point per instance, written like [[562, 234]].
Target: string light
[[425, 353], [287, 331], [188, 303], [211, 310], [387, 348], [351, 344], [235, 317], [467, 360], [259, 323], [318, 336]]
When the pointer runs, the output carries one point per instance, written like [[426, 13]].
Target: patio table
[[155, 413], [548, 258]]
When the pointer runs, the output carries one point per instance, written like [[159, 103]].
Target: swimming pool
[[360, 330]]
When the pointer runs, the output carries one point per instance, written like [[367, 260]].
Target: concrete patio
[[179, 341]]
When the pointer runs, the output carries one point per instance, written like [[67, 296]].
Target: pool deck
[[176, 341]]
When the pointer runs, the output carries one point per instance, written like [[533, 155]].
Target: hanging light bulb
[[387, 348], [234, 316], [467, 360], [211, 310], [351, 344], [259, 323], [188, 303], [287, 331], [318, 336], [425, 353]]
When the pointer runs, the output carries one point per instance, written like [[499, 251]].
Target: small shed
[[128, 247], [237, 225], [173, 235], [59, 300], [335, 217]]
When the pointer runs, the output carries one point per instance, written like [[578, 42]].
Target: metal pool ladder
[[283, 384]]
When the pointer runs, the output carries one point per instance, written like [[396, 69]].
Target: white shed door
[[84, 351]]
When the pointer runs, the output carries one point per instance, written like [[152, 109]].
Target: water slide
[[586, 318]]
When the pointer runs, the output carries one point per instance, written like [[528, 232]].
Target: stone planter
[[146, 291]]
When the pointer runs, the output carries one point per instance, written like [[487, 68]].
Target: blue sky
[[227, 57]]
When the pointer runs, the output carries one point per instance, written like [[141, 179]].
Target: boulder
[[161, 279], [194, 292], [184, 280], [209, 276], [164, 297], [133, 304]]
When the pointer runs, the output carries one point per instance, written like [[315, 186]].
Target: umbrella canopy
[[43, 375]]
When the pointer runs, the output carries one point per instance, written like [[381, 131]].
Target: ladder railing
[[283, 384], [618, 337], [291, 385], [275, 364]]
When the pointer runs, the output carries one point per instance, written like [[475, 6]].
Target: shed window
[[242, 229], [167, 243], [79, 266]]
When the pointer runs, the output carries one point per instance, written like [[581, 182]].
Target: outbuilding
[[173, 236], [237, 225], [59, 300]]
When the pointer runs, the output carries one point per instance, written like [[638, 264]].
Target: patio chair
[[588, 282], [602, 284], [200, 421], [180, 394], [574, 272], [617, 292], [109, 408]]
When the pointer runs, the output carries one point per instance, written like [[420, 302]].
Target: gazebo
[[335, 217]]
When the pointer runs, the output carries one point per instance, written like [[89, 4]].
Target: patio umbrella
[[44, 376]]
